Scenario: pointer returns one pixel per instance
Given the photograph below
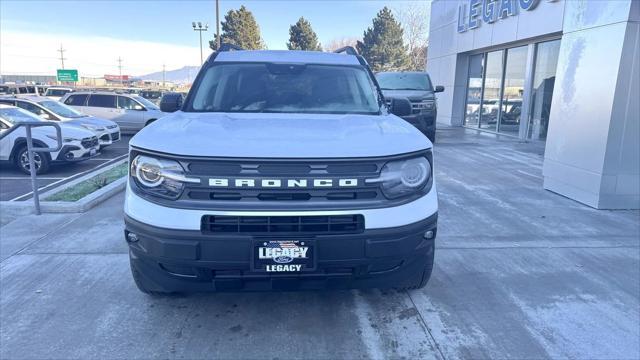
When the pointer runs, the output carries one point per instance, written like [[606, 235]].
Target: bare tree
[[414, 17], [337, 43]]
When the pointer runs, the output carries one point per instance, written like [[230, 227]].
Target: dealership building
[[561, 73]]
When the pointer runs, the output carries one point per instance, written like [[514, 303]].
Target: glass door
[[514, 77], [492, 89], [474, 90], [542, 90]]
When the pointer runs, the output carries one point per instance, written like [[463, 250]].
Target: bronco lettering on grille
[[283, 183]]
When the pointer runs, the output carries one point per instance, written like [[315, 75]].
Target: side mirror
[[138, 107], [45, 116], [171, 102], [439, 88], [400, 107]]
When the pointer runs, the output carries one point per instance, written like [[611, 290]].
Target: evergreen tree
[[239, 27], [382, 45], [302, 37]]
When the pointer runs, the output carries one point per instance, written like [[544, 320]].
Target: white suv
[[55, 93], [107, 131], [282, 170], [77, 143], [132, 112]]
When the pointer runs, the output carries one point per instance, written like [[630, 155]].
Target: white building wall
[[593, 141]]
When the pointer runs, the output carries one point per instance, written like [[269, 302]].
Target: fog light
[[428, 235], [131, 237]]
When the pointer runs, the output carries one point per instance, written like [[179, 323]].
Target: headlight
[[159, 176], [92, 127], [424, 105], [64, 139], [404, 177]]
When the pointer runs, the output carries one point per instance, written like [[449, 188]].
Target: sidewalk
[[520, 273]]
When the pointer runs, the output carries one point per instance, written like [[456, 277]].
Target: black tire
[[21, 160], [143, 285], [425, 273]]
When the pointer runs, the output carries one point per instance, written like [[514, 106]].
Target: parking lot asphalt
[[15, 185], [520, 273]]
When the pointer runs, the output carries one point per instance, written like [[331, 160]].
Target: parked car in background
[[56, 93], [415, 86], [131, 112], [107, 131], [18, 89], [77, 143]]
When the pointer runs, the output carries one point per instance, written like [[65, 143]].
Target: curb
[[18, 208]]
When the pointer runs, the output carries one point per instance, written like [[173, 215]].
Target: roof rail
[[229, 47], [349, 50]]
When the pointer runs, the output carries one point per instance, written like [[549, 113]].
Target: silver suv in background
[[107, 131], [131, 112], [56, 93]]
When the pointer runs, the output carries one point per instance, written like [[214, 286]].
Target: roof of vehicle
[[28, 97], [287, 56], [59, 88], [80, 92]]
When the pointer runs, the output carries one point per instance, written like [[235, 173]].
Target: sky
[[148, 34]]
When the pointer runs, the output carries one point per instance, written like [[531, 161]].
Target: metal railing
[[28, 125]]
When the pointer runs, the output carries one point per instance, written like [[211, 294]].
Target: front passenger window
[[128, 104]]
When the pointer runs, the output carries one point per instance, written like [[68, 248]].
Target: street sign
[[67, 75]]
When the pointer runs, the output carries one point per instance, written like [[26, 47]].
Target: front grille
[[256, 225], [88, 143], [252, 184], [283, 171], [115, 136]]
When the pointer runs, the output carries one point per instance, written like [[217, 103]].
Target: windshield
[[285, 88], [61, 109], [404, 81], [148, 104], [15, 115]]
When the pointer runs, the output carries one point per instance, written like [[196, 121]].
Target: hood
[[67, 130], [98, 121], [412, 95], [280, 135]]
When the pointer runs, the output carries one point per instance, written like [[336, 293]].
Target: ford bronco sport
[[281, 170]]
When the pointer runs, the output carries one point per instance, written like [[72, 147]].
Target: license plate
[[92, 152], [277, 256]]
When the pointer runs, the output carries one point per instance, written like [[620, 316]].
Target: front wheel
[[40, 161]]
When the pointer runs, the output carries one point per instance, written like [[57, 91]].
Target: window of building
[[492, 88], [514, 77], [542, 89], [474, 90]]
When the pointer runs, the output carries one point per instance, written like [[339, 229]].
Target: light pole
[[200, 28], [218, 23]]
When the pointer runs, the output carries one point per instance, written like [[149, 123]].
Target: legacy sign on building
[[489, 11]]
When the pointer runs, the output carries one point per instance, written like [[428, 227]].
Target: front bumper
[[188, 260], [424, 121], [73, 153], [109, 137]]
